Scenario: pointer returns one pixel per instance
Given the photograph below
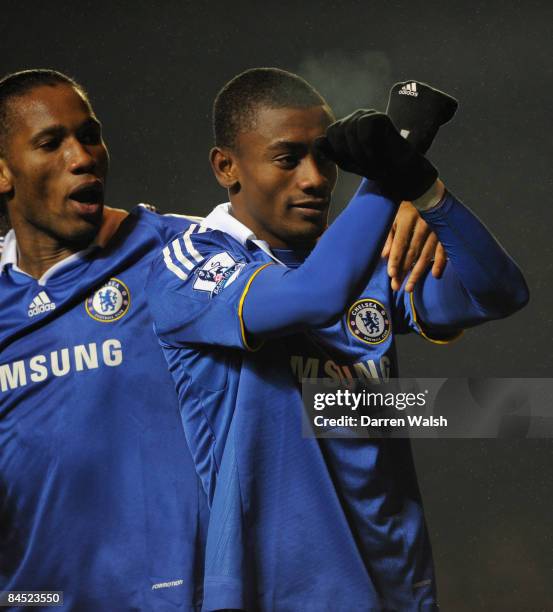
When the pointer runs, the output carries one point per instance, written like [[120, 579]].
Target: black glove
[[418, 111], [367, 143]]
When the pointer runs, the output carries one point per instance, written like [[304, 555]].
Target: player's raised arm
[[272, 300], [481, 281]]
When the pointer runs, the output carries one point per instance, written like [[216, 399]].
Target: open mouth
[[91, 193]]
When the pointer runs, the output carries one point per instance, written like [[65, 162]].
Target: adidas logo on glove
[[409, 90]]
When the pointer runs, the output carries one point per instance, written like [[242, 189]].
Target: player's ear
[[6, 179], [224, 166]]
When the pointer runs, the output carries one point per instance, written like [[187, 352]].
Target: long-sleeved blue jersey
[[298, 523], [99, 497]]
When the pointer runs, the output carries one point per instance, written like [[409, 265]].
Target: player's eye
[[287, 161], [51, 144]]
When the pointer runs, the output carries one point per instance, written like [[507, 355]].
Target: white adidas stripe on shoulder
[[181, 258], [171, 266], [181, 262], [188, 243]]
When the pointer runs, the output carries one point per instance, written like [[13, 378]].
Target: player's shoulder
[[198, 237], [166, 225], [150, 214], [198, 247]]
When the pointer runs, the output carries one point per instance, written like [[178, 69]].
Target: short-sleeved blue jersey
[[99, 497], [296, 523]]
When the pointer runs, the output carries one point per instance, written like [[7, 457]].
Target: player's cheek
[[46, 184]]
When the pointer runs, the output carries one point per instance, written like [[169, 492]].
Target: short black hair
[[237, 103], [18, 84]]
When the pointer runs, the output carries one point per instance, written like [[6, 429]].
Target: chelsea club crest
[[110, 302], [368, 321]]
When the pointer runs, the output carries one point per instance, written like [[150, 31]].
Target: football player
[[299, 523], [99, 497]]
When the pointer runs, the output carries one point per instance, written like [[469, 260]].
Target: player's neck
[[272, 240], [39, 251]]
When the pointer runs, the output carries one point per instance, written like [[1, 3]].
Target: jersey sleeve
[[481, 282], [445, 294], [196, 289]]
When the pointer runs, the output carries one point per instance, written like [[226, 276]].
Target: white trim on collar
[[220, 218], [9, 256], [9, 252]]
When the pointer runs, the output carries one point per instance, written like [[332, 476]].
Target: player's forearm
[[481, 281], [281, 300]]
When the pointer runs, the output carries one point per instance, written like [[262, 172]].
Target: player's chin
[[309, 219], [305, 233], [83, 231]]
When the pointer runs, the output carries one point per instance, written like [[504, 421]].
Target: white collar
[[9, 256], [9, 252], [220, 218]]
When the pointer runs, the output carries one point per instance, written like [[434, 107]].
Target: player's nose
[[312, 175], [80, 159]]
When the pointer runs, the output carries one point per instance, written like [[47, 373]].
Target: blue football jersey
[[99, 497], [296, 523]]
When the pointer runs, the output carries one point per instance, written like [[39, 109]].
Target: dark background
[[152, 70]]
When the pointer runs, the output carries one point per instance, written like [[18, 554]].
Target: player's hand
[[411, 247], [418, 111], [367, 143]]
